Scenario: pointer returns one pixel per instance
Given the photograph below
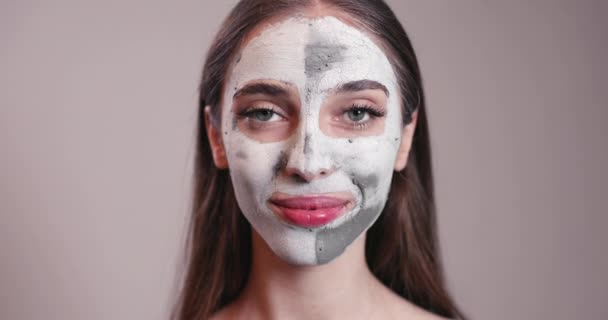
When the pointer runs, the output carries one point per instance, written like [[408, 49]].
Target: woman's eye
[[357, 115], [263, 115], [361, 117]]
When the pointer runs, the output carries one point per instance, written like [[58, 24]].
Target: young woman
[[314, 192]]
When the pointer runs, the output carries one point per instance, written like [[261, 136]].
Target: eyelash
[[249, 111], [372, 111]]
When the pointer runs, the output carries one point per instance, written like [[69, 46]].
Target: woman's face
[[311, 132]]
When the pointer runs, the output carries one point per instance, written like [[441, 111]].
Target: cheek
[[252, 163], [368, 161], [366, 155]]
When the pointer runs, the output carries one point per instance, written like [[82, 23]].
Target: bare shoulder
[[226, 313], [400, 308], [414, 312], [405, 309], [220, 315]]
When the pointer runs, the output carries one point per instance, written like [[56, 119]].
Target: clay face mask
[[311, 125]]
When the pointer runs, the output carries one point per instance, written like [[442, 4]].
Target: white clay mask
[[310, 146]]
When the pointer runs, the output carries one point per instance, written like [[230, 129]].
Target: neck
[[341, 289]]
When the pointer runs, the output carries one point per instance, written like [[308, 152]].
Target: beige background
[[97, 111]]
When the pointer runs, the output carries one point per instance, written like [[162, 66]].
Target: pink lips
[[309, 211]]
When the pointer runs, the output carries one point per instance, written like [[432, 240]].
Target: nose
[[308, 159]]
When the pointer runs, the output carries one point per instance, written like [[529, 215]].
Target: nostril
[[307, 176]]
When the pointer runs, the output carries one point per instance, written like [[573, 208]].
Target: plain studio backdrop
[[97, 115]]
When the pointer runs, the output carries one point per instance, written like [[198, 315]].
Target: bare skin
[[342, 289]]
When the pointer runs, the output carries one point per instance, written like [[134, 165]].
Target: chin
[[295, 259]]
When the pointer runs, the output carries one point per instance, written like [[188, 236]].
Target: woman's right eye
[[262, 115]]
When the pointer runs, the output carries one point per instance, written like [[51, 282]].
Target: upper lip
[[310, 202]]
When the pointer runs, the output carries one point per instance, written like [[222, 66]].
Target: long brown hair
[[401, 247]]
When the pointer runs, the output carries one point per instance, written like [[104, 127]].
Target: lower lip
[[311, 216]]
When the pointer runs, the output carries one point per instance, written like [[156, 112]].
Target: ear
[[407, 136], [215, 141]]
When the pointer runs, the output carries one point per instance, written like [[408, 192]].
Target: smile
[[310, 211]]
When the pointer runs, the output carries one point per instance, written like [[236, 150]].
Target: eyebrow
[[262, 88], [361, 85]]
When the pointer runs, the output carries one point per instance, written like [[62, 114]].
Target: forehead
[[325, 50]]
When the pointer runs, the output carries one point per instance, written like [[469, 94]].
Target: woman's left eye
[[357, 115], [360, 116]]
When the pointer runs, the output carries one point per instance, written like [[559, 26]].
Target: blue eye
[[363, 113], [361, 116], [357, 114], [263, 114]]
